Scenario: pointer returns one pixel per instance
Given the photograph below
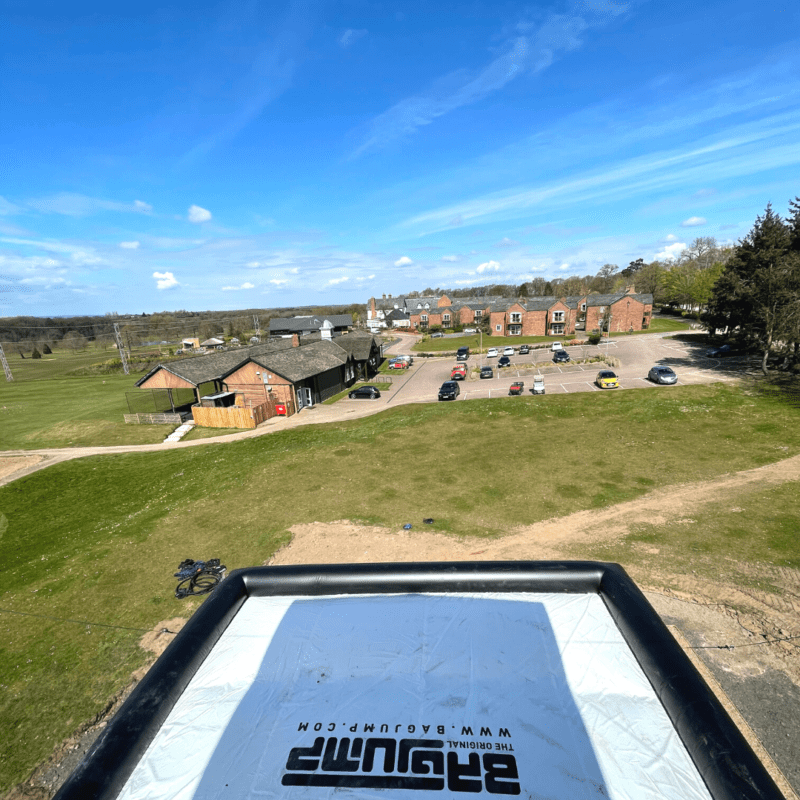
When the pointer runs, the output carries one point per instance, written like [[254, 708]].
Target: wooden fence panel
[[232, 416]]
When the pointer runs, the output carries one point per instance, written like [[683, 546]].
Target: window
[[499, 327], [445, 318], [557, 329], [583, 306], [424, 318], [516, 316], [478, 315], [515, 330], [558, 316]]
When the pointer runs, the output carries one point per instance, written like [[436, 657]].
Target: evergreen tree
[[758, 294], [36, 353]]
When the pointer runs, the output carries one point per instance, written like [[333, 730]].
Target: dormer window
[[558, 316], [516, 316]]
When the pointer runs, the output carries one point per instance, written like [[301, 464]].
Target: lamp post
[[608, 346]]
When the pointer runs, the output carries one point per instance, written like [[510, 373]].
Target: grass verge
[[97, 540]]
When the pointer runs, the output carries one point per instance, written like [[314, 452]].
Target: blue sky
[[248, 154]]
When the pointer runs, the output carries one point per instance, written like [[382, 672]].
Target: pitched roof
[[358, 344], [297, 324], [303, 362], [610, 299]]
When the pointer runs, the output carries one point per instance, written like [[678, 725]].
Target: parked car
[[398, 364], [504, 361], [365, 393], [487, 372], [606, 379], [449, 391], [470, 330], [437, 336], [659, 374], [524, 349], [491, 352], [508, 351], [408, 359], [560, 355], [462, 354], [458, 373], [538, 384], [517, 387], [720, 352], [556, 346]]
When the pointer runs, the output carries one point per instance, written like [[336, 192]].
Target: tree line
[[33, 336]]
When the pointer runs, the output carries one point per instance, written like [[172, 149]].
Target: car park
[[487, 372], [508, 351], [365, 393], [517, 387], [607, 379], [556, 346], [449, 391], [504, 361], [661, 374], [524, 349], [491, 352], [560, 356], [538, 384]]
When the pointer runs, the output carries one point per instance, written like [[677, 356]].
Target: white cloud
[[237, 288], [129, 245], [450, 258], [79, 205], [693, 222], [253, 264], [671, 237], [140, 205], [8, 208], [294, 270], [279, 281], [671, 251], [367, 278], [564, 266], [488, 266], [197, 214], [165, 280], [335, 281], [350, 36], [403, 261], [506, 242]]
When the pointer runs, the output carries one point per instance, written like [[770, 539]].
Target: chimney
[[326, 331], [295, 340], [630, 289]]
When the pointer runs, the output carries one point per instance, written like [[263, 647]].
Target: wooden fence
[[153, 419], [233, 416]]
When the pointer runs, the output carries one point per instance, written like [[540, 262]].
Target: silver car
[[659, 374]]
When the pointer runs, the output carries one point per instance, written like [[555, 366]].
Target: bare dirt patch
[[9, 465]]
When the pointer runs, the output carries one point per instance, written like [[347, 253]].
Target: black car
[[560, 355], [524, 349], [449, 391], [720, 352], [487, 372], [365, 393], [504, 361]]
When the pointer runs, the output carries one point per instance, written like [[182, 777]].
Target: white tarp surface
[[421, 696]]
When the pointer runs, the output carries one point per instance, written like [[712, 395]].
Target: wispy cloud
[[279, 282], [7, 207], [403, 261], [79, 205], [165, 280], [538, 46], [693, 222], [449, 258], [337, 281], [129, 245], [350, 36]]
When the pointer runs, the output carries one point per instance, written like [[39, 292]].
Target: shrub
[[36, 353], [594, 338], [46, 349]]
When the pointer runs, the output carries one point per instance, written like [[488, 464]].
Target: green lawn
[[659, 325], [48, 405], [97, 540]]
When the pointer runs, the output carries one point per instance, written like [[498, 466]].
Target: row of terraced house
[[524, 316]]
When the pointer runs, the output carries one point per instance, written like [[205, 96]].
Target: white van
[[556, 346]]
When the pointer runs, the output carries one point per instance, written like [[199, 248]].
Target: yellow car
[[606, 379]]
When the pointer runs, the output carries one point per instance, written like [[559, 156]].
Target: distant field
[[45, 406], [97, 540]]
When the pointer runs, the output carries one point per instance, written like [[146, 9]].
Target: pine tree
[[36, 353]]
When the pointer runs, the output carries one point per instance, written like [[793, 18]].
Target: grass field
[[46, 406], [93, 543]]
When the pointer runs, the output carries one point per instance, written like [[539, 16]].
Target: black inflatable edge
[[720, 753]]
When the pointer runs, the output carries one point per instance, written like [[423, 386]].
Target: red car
[[458, 373], [517, 387]]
